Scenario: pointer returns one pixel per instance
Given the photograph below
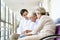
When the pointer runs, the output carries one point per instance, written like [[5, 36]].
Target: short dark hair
[[23, 10]]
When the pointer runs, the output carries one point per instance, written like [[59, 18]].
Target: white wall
[[55, 9], [19, 4]]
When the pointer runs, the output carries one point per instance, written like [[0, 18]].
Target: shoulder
[[48, 21], [45, 18]]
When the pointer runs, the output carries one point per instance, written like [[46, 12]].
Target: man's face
[[33, 18], [25, 15]]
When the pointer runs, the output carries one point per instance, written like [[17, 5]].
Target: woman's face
[[25, 15], [38, 14]]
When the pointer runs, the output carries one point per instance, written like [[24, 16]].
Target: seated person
[[24, 21], [45, 28]]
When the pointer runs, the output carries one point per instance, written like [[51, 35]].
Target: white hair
[[41, 9], [32, 13]]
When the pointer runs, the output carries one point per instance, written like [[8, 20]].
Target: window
[[7, 22], [2, 12]]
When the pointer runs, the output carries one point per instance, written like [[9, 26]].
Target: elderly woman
[[45, 28]]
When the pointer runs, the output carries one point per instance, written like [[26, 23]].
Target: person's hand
[[26, 31]]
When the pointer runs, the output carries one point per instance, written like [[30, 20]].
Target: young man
[[22, 26]]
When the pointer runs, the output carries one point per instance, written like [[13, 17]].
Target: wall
[[55, 9]]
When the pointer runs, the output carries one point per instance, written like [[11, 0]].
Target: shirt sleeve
[[19, 29]]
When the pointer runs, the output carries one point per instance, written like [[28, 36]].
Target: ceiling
[[19, 4]]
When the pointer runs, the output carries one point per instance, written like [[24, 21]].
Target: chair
[[56, 36]]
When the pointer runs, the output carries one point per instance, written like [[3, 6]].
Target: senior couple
[[34, 26]]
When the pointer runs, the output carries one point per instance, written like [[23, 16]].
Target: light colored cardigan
[[45, 28]]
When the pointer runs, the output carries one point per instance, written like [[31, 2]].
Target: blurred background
[[10, 13]]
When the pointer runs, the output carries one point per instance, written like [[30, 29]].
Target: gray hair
[[41, 9], [31, 14]]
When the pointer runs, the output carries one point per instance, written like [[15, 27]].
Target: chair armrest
[[50, 37]]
